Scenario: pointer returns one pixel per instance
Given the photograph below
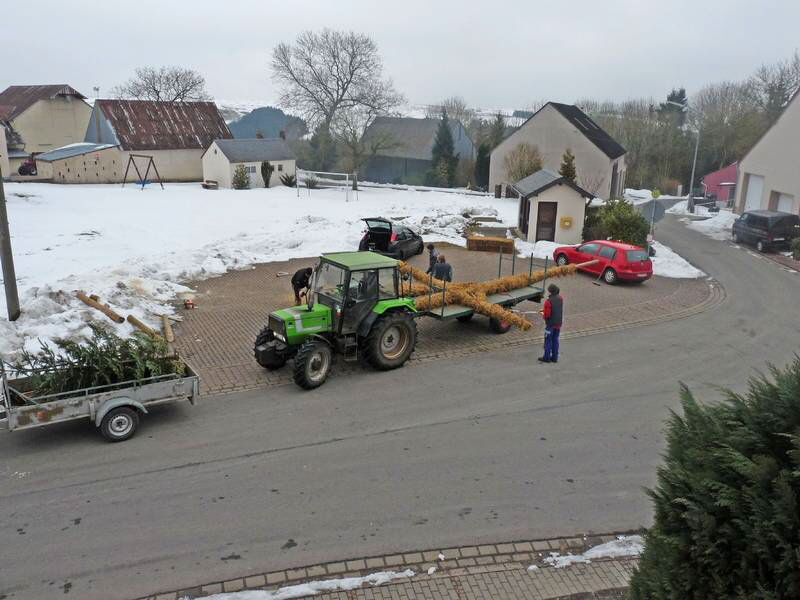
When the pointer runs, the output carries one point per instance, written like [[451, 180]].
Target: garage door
[[755, 186], [785, 203]]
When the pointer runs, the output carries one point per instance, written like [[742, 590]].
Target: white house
[[223, 156], [769, 177], [551, 208], [555, 128]]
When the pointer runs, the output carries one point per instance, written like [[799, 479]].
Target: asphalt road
[[491, 447]]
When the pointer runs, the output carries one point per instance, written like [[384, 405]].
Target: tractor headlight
[[279, 336]]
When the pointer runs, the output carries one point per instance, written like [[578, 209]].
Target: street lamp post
[[690, 202]]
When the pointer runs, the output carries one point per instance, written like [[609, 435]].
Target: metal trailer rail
[[534, 293], [114, 409]]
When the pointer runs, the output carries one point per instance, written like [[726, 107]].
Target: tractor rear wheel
[[269, 360], [312, 364], [391, 340]]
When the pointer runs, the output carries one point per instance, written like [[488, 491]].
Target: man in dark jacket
[[442, 269], [553, 314], [301, 280], [432, 256]]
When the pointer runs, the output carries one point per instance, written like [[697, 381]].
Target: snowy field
[[135, 248]]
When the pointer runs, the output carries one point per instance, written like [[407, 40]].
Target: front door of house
[[546, 221]]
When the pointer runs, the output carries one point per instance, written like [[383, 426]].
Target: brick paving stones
[[217, 337]]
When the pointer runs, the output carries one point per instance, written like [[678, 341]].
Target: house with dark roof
[[551, 208], [555, 128], [174, 134], [38, 118], [401, 148], [223, 156]]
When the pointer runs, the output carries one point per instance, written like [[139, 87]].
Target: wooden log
[[101, 307], [94, 297], [167, 327], [142, 327]]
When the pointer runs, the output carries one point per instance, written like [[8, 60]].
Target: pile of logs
[[94, 302], [473, 294]]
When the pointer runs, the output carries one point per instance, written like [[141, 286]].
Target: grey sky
[[495, 53]]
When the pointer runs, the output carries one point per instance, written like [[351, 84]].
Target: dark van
[[766, 229]]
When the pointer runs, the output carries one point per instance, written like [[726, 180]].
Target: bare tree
[[327, 73], [523, 160], [592, 182], [456, 108], [772, 86], [169, 84], [361, 143]]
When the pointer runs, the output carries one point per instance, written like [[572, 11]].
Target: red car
[[615, 260]]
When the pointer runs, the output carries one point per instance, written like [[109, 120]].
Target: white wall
[[216, 167], [5, 167], [553, 134], [256, 181], [775, 158], [570, 204]]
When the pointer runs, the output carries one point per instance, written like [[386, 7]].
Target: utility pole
[[7, 259]]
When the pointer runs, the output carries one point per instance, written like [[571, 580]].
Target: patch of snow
[[682, 208], [637, 196], [441, 556], [137, 248], [624, 545], [717, 227], [541, 249], [432, 570], [312, 588], [668, 263], [533, 568]]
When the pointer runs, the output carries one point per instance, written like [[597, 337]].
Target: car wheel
[[736, 238], [421, 248], [562, 260], [610, 276], [760, 246]]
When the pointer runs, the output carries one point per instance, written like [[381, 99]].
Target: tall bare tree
[[361, 143], [327, 73], [772, 86], [456, 109], [169, 84], [523, 160]]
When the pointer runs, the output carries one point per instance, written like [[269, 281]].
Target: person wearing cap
[[553, 314], [432, 258]]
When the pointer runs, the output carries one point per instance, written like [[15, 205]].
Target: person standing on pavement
[[301, 280], [553, 314], [442, 269], [432, 256]]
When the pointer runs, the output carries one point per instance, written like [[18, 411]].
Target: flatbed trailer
[[532, 293], [114, 409]]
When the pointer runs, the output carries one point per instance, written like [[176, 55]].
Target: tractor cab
[[351, 284]]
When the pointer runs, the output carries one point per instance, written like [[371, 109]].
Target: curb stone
[[466, 560]]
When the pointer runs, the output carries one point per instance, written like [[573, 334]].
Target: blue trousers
[[551, 343]]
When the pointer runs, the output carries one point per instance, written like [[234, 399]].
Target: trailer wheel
[[312, 364], [498, 326], [119, 424], [391, 340], [271, 360], [465, 318]]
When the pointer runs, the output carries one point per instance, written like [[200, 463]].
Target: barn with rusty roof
[[173, 134], [39, 118]]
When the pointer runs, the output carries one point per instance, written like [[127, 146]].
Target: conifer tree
[[567, 170], [443, 158], [482, 166], [497, 131], [241, 178], [266, 172]]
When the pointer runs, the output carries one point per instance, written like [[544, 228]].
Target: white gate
[[755, 187]]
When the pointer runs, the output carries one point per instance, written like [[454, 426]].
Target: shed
[[83, 163], [223, 156], [551, 208]]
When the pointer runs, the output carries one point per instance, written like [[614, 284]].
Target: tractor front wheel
[[312, 364], [270, 359], [391, 340]]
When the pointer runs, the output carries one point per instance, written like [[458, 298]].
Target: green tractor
[[353, 309]]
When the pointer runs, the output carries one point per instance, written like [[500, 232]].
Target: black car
[[397, 241], [766, 229]]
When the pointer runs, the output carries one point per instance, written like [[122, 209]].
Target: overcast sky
[[494, 53]]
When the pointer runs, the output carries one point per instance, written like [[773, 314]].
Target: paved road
[[488, 448]]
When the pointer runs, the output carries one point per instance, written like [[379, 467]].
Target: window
[[607, 252], [386, 284], [636, 255], [280, 167], [215, 150], [329, 280], [588, 248], [363, 285]]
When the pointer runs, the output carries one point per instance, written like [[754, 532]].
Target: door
[[755, 187], [524, 216], [585, 253], [362, 295], [605, 257], [546, 221], [785, 202]]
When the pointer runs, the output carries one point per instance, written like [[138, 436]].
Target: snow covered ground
[[717, 225], [624, 545], [134, 248]]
